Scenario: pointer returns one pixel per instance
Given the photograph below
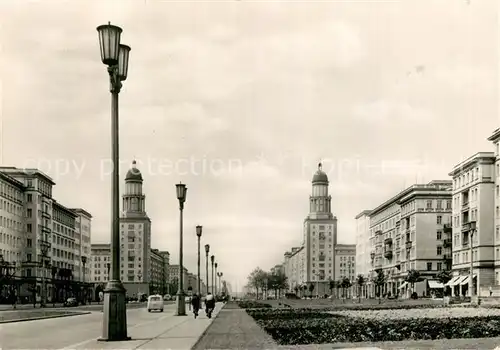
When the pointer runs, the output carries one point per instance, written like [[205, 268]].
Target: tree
[[277, 281], [296, 289], [345, 284], [257, 280], [379, 280], [444, 276], [360, 281], [311, 288], [338, 285], [331, 285], [413, 277]]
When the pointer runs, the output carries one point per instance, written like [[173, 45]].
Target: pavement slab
[[166, 331], [235, 329]]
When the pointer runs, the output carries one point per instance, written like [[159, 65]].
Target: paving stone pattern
[[234, 329]]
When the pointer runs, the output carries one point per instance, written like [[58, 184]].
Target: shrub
[[349, 329], [249, 304], [360, 307], [288, 314]]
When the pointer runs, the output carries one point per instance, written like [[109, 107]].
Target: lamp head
[[109, 42], [207, 248], [181, 192], [212, 259], [199, 230]]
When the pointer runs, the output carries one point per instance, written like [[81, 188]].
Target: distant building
[[319, 259], [363, 248]]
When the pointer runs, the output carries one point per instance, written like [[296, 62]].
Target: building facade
[[38, 237], [473, 226], [363, 248], [407, 233], [495, 139], [318, 260], [83, 228]]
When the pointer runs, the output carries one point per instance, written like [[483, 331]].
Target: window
[[29, 243], [438, 235], [497, 233], [439, 250], [29, 213], [439, 219], [439, 266], [429, 204], [29, 198], [429, 266]]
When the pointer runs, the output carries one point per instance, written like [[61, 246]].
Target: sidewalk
[[166, 332]]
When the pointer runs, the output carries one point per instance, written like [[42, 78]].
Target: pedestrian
[[209, 304], [491, 291], [195, 302]]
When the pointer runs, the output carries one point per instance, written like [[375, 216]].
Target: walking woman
[[195, 302]]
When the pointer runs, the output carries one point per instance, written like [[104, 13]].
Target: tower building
[[135, 235]]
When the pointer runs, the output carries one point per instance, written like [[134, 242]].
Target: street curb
[[206, 329], [46, 317]]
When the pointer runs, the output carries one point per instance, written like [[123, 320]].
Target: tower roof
[[133, 174], [320, 176]]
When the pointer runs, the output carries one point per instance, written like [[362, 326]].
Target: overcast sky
[[240, 100]]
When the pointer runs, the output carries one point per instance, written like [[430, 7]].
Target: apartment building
[[100, 270], [495, 139], [295, 267], [363, 248], [174, 277], [407, 232], [474, 216], [83, 227]]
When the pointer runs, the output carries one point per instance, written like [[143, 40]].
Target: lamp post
[[181, 301], [215, 285], [44, 247], [212, 259], [471, 270], [219, 274], [115, 56], [207, 250], [84, 262], [199, 230]]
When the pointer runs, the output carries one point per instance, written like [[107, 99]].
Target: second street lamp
[[219, 274], [115, 56], [181, 299], [207, 250], [198, 234], [215, 278], [212, 259]]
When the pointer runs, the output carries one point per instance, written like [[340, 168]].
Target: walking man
[[209, 305]]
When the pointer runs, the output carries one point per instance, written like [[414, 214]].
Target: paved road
[[91, 307], [69, 332]]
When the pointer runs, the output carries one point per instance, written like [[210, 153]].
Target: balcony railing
[[388, 241], [388, 254], [378, 232], [446, 256], [447, 228], [447, 242], [465, 205], [408, 244]]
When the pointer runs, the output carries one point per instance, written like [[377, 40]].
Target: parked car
[[71, 302], [155, 302], [167, 297]]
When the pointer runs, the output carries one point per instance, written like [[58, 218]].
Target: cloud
[[384, 111]]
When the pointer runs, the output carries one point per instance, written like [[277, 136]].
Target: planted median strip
[[307, 326], [31, 315]]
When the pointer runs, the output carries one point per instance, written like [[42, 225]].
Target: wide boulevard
[[71, 332]]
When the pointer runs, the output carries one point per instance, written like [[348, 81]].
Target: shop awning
[[466, 280], [459, 281], [403, 285], [453, 281], [435, 284]]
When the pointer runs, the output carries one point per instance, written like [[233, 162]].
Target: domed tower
[[320, 200], [133, 198]]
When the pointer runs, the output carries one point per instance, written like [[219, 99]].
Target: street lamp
[[219, 274], [215, 265], [115, 56], [212, 260], [181, 302], [44, 246], [84, 262], [199, 230], [471, 271], [207, 250], [108, 266]]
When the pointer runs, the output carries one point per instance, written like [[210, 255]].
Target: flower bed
[[448, 312], [248, 304], [358, 307], [294, 327]]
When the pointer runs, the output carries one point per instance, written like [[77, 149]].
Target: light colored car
[[155, 302], [167, 297]]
